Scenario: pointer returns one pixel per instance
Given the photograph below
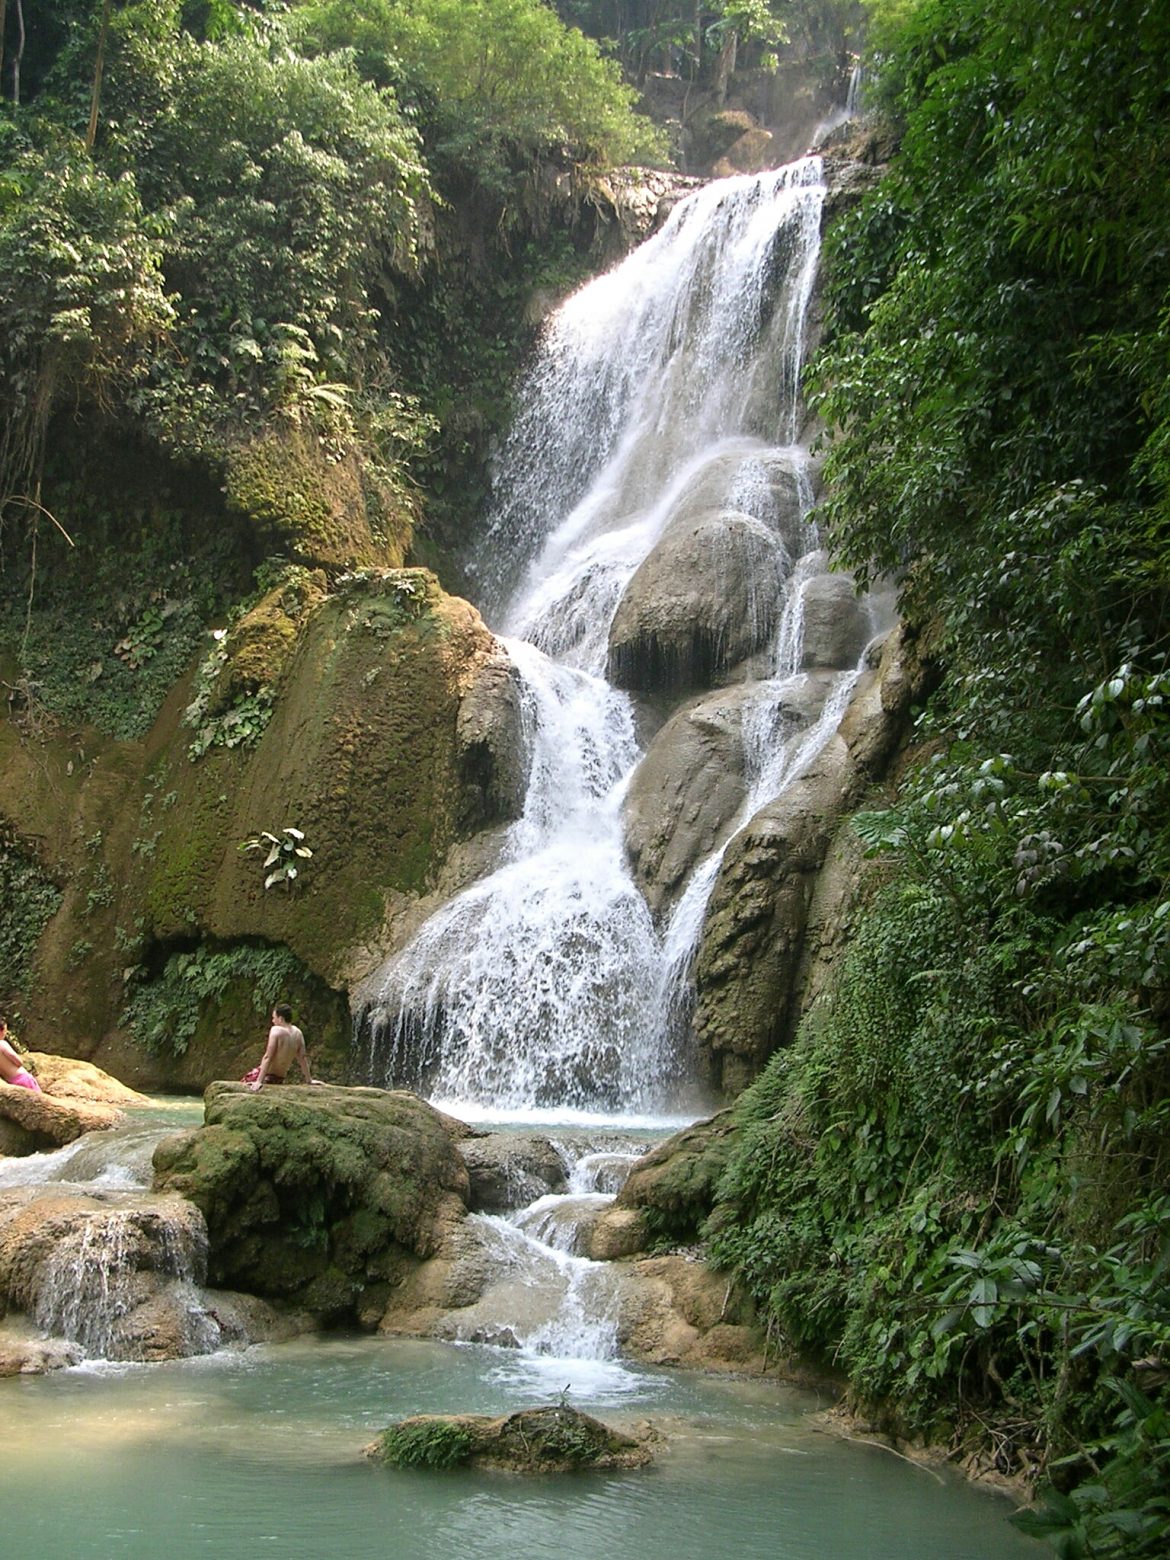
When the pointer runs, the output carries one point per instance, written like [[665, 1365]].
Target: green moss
[[270, 480], [674, 1186], [114, 624], [430, 1443]]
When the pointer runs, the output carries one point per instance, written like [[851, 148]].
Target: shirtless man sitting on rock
[[286, 1044], [12, 1068]]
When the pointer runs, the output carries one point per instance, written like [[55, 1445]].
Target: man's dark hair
[[283, 1011]]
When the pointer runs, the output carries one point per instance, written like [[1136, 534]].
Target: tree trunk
[[16, 58], [99, 67], [725, 66]]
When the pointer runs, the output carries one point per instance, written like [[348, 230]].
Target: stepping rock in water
[[533, 1440]]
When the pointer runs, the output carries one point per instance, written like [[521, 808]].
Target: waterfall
[[91, 1279], [665, 396]]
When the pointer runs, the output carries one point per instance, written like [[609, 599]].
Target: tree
[[498, 71]]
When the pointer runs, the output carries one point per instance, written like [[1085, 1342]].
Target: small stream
[[259, 1450]]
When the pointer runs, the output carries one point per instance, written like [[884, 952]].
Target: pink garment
[[25, 1080]]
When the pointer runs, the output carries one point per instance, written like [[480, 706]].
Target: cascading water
[[664, 390]]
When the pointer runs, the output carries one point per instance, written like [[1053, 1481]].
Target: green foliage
[[433, 1443], [82, 304], [31, 899], [700, 41], [489, 74], [1121, 1512], [220, 263], [289, 186], [954, 1184], [283, 854], [164, 1011]]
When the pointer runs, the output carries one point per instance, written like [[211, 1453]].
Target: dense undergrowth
[[954, 1185]]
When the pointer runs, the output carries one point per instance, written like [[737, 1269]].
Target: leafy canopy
[[492, 70]]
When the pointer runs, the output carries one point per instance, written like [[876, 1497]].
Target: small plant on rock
[[282, 853]]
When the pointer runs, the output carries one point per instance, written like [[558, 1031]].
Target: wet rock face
[[317, 1195], [688, 789], [837, 627], [510, 1170], [116, 1280], [752, 966], [704, 599], [490, 742]]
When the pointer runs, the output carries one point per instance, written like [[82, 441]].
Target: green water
[[260, 1454]]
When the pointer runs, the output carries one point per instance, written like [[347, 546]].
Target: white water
[[667, 388]]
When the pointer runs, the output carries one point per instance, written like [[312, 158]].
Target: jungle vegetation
[[218, 231], [955, 1186]]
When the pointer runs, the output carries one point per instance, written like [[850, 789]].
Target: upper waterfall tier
[[671, 375]]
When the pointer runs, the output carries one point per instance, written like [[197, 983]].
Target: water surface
[[260, 1453]]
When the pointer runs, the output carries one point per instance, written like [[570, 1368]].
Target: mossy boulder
[[672, 1188], [557, 1439], [313, 1195], [317, 500], [363, 754]]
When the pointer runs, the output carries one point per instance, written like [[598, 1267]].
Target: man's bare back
[[286, 1045]]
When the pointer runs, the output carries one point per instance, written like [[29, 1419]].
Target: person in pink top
[[12, 1069]]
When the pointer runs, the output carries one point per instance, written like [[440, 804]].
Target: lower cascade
[[653, 547]]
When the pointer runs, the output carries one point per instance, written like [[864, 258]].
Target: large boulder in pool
[[323, 1197], [556, 1439]]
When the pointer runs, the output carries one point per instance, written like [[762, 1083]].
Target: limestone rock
[[491, 744], [775, 496], [117, 1279], [314, 1195], [680, 1312], [24, 1352], [711, 135], [510, 1170], [532, 1440], [755, 921], [704, 599], [837, 626], [689, 787], [66, 1078], [619, 1232], [47, 1122]]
